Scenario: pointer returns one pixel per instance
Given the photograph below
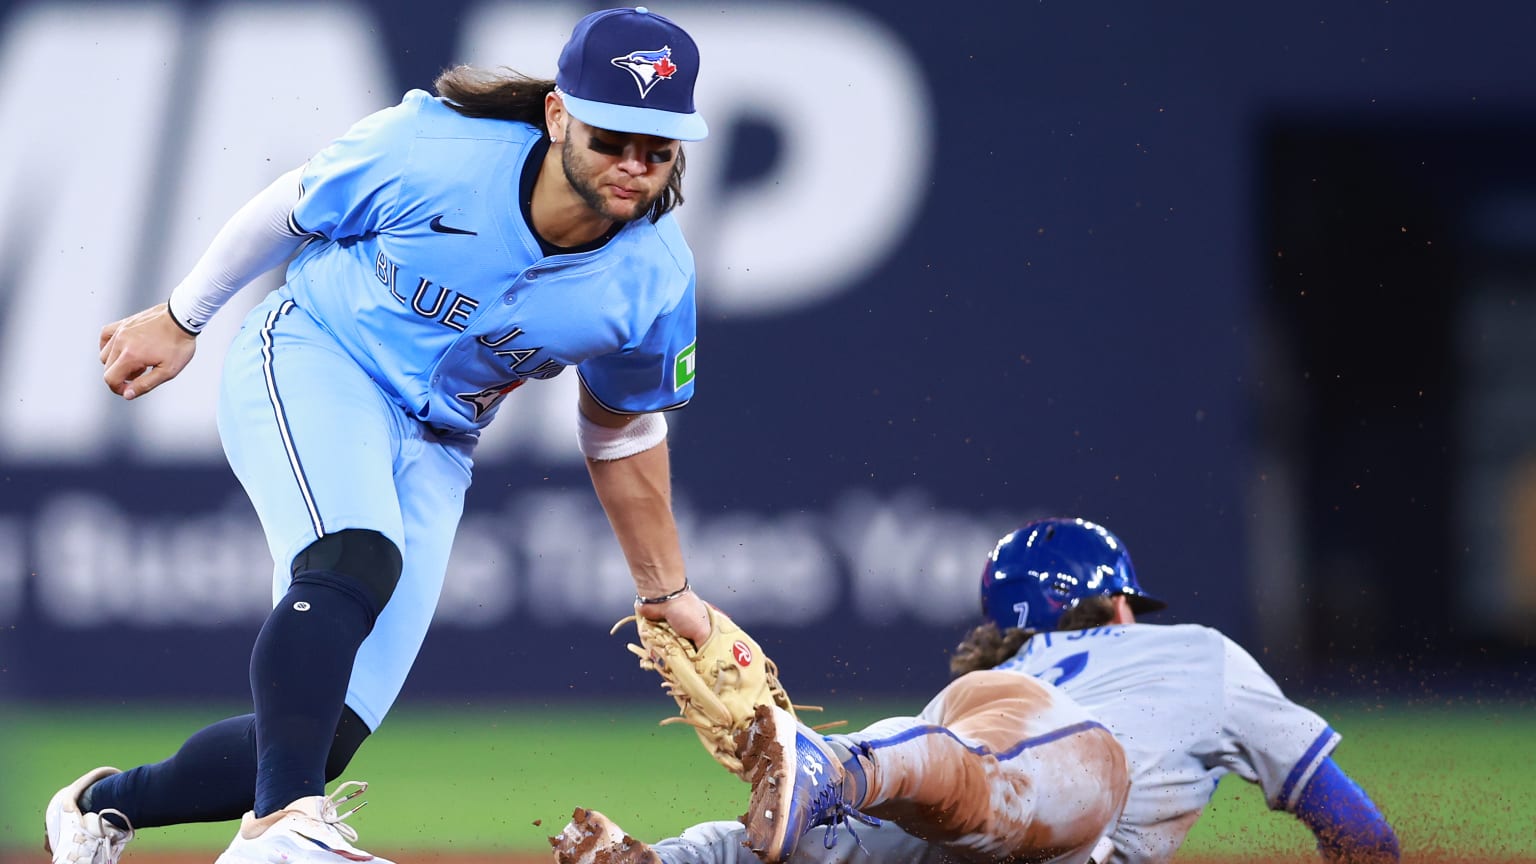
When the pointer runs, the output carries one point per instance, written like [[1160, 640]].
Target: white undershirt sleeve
[[260, 236]]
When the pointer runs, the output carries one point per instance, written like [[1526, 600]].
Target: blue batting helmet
[[1035, 574]]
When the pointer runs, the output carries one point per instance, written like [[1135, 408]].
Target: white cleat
[[72, 837], [308, 831]]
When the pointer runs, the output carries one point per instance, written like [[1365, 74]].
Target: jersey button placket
[[527, 277]]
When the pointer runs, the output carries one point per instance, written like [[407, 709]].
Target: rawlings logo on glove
[[716, 685]]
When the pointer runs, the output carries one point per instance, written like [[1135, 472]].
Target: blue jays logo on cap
[[611, 68], [648, 67]]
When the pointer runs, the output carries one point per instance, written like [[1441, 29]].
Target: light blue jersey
[[425, 272], [354, 394]]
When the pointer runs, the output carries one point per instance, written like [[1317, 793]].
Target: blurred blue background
[[1252, 284]]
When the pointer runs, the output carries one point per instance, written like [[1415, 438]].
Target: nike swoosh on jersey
[[439, 227]]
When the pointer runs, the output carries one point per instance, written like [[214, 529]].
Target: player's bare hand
[[143, 351], [686, 613]]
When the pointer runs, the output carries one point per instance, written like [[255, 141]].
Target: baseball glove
[[716, 685]]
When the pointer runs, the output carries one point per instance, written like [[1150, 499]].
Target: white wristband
[[606, 443]]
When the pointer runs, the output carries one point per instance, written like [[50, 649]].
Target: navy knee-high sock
[[299, 672], [212, 778], [208, 780]]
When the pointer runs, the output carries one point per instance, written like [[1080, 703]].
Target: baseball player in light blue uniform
[[1186, 703], [327, 433], [443, 253]]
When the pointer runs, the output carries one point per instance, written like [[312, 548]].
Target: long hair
[[986, 646], [505, 94]]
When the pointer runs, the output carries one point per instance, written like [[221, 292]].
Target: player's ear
[[554, 115], [1123, 613]]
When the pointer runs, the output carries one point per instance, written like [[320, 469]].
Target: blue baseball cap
[[631, 70]]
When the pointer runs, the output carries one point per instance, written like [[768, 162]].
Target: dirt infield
[[439, 857], [529, 858]]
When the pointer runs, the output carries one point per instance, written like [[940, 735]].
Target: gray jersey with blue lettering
[[1188, 705]]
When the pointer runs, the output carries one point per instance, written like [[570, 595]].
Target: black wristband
[[652, 601], [172, 312]]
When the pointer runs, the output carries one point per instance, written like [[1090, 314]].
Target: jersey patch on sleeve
[[682, 368]]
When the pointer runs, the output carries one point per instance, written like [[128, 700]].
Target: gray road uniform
[[1187, 704]]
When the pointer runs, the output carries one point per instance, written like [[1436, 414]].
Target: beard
[[581, 179]]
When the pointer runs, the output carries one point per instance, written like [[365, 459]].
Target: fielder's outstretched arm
[[145, 350], [632, 475], [1349, 827]]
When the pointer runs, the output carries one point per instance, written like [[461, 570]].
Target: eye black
[[598, 145]]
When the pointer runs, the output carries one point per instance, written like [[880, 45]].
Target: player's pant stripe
[[282, 418], [981, 749]]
